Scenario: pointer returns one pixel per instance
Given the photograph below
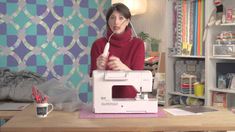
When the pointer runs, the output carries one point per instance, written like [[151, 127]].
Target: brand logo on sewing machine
[[146, 79], [109, 103]]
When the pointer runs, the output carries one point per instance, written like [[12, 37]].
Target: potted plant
[[155, 44], [144, 36], [151, 44]]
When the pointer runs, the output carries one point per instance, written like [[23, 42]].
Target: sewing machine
[[141, 80]]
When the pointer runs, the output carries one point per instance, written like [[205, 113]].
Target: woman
[[125, 53]]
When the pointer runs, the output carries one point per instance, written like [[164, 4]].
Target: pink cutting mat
[[86, 113]]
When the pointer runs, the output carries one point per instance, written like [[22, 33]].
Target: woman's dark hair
[[121, 8]]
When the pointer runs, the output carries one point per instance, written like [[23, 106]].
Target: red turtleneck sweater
[[130, 50]]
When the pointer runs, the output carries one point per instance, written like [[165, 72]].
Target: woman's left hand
[[114, 63]]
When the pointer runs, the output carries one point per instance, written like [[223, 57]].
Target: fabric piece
[[17, 86], [61, 96]]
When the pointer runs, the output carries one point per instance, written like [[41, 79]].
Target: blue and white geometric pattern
[[52, 38]]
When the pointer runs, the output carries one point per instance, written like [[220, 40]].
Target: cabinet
[[210, 58]]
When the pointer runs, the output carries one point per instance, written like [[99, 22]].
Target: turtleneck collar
[[120, 40]]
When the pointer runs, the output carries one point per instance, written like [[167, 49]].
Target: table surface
[[26, 121]]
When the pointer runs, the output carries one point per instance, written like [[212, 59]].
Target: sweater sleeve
[[94, 54], [138, 60]]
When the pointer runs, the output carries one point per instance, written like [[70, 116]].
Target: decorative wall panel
[[52, 37]]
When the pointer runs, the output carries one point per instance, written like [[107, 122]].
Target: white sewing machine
[[102, 92]]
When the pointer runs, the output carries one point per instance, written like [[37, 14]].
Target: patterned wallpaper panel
[[52, 38]]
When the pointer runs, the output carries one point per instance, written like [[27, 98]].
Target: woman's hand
[[114, 63], [101, 62]]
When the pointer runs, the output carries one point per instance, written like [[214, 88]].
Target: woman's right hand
[[101, 62]]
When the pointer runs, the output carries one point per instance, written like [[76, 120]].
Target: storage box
[[223, 50], [219, 99], [187, 82]]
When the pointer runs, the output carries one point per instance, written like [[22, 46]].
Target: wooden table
[[57, 121]]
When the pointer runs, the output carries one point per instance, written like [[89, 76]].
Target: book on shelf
[[219, 99], [224, 74]]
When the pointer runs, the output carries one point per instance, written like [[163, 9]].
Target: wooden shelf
[[188, 56], [227, 24], [223, 90], [222, 58], [187, 95]]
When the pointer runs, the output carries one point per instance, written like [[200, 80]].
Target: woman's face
[[117, 22]]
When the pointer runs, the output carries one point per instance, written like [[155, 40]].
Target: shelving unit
[[211, 60], [171, 60], [170, 76], [156, 64]]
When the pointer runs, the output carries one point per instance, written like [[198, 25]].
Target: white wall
[[153, 21]]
